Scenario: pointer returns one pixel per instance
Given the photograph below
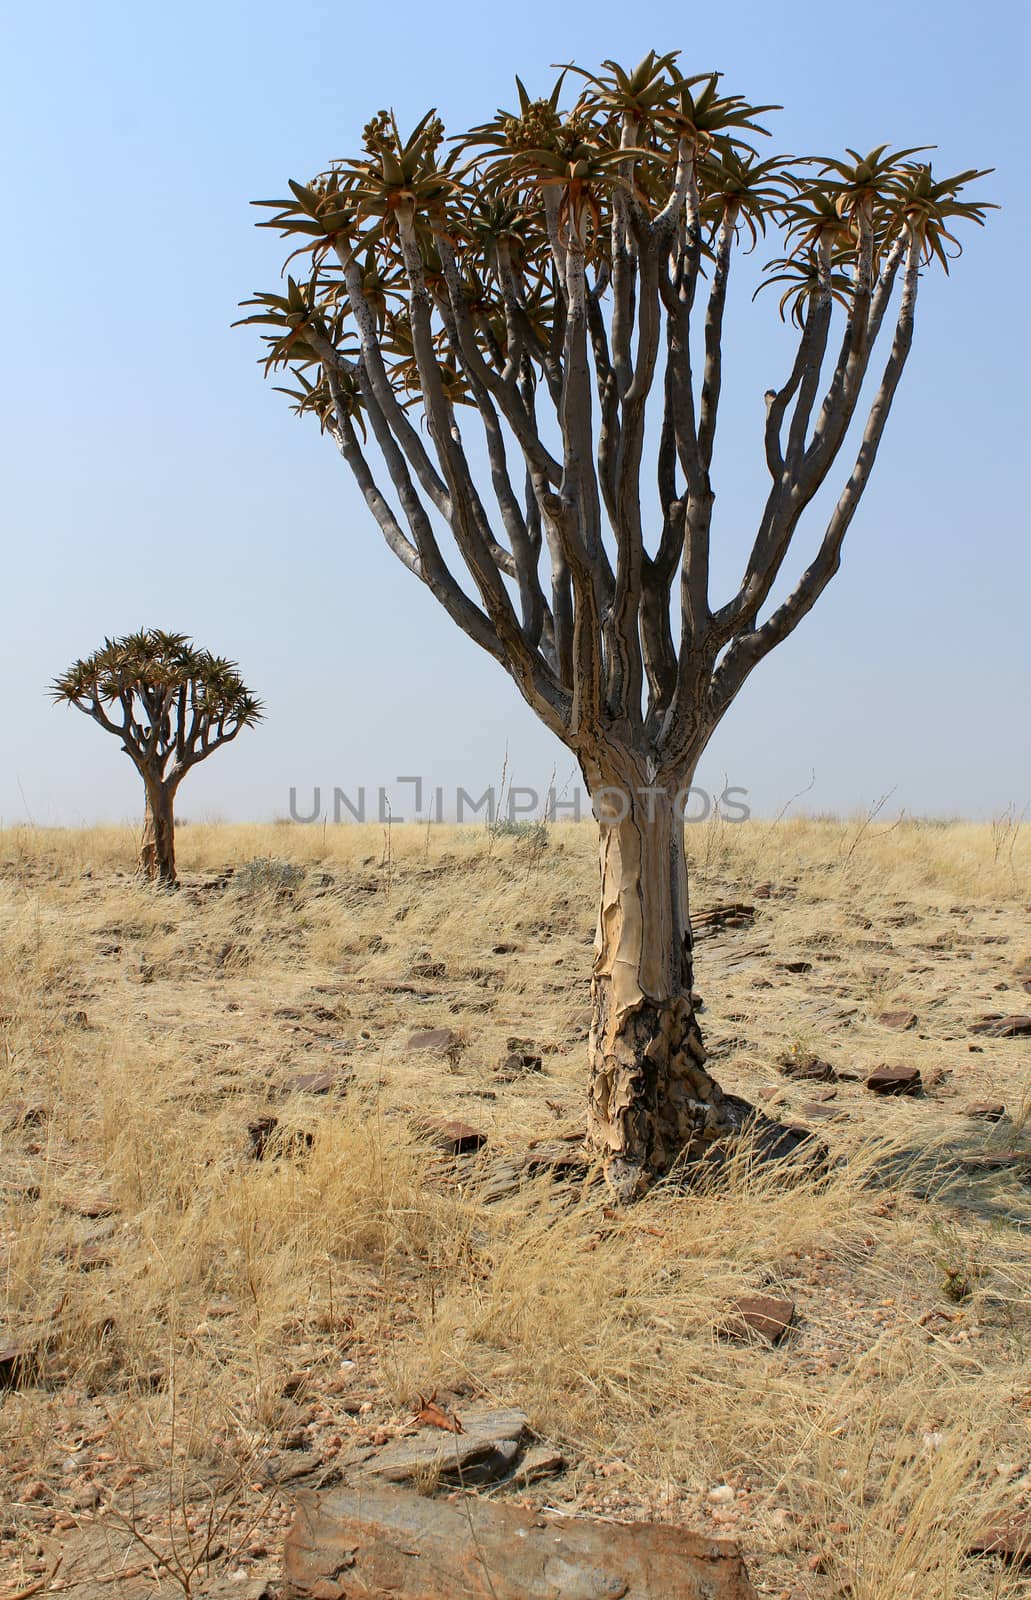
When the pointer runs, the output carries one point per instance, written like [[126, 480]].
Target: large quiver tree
[[534, 292], [171, 705]]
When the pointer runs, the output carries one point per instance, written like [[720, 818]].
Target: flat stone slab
[[19, 1362], [807, 1068], [1018, 1161], [760, 1315], [441, 1041], [895, 1080], [996, 1027], [317, 1082], [486, 1450], [986, 1110], [348, 1543], [901, 1021], [1010, 1539], [456, 1137]]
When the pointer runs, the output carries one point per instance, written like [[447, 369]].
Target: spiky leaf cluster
[[161, 695], [579, 163], [546, 293]]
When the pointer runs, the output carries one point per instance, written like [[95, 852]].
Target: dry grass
[[150, 1029]]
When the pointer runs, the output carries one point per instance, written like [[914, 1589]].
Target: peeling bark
[[157, 847], [651, 1100]]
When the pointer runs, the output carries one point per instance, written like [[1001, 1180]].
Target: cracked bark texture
[[157, 845], [651, 1100]]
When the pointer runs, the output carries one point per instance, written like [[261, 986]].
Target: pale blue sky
[[151, 478]]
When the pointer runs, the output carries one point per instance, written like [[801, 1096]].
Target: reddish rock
[[759, 1314], [265, 1138], [813, 1109], [351, 1542], [806, 1068], [895, 1080], [1009, 1538], [458, 1138], [985, 1110], [22, 1113], [314, 1082], [90, 1205], [517, 1064], [442, 1041], [901, 1021], [997, 1027], [18, 1362], [1018, 1161]]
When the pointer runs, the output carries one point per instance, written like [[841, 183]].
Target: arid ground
[[197, 1318]]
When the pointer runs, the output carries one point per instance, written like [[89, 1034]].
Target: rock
[[265, 1138], [295, 1464], [813, 1109], [997, 1027], [487, 1449], [93, 1205], [517, 1064], [759, 1314], [1009, 1538], [540, 1461], [563, 1157], [442, 1041], [505, 949], [985, 1110], [722, 1495], [19, 1363], [89, 1256], [23, 1114], [313, 1082], [84, 1496], [1018, 1161], [901, 1021], [429, 969], [805, 1067], [457, 1138], [895, 1080], [796, 966], [713, 921], [368, 1542]]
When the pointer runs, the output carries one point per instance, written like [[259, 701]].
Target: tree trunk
[[157, 850], [651, 1100]]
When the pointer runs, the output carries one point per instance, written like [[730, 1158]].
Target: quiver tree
[[486, 327], [171, 705]]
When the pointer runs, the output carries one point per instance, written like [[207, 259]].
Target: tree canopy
[[164, 698], [535, 281]]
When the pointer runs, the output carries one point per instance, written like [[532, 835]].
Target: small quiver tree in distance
[[498, 332], [171, 705]]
